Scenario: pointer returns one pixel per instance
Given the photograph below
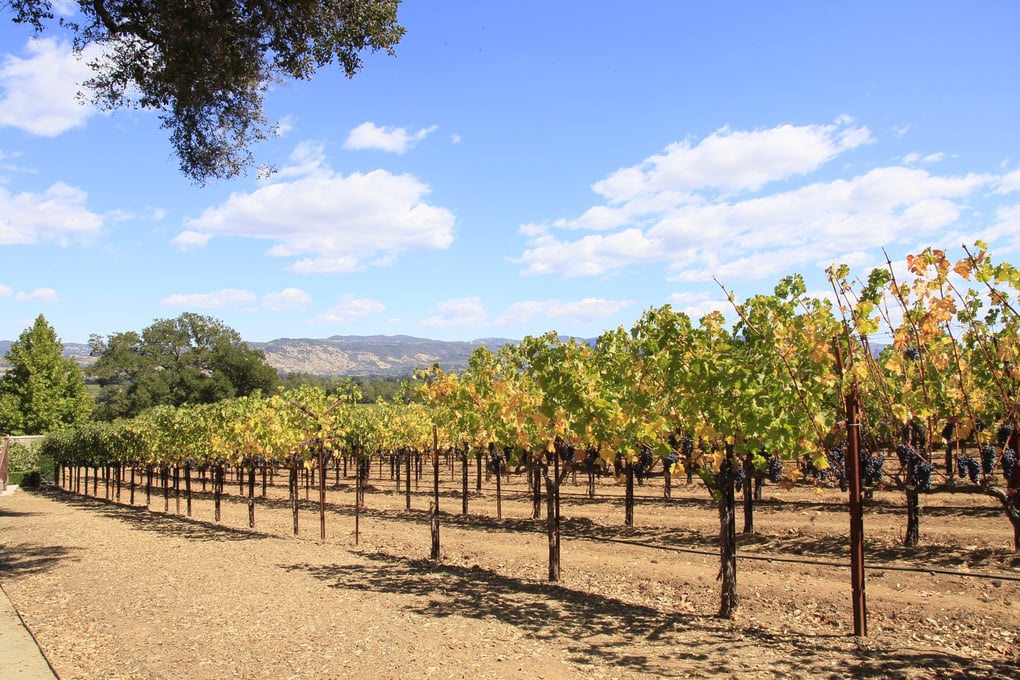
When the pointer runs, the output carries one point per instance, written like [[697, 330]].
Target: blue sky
[[524, 167]]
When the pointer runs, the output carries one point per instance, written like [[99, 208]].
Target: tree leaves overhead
[[205, 66]]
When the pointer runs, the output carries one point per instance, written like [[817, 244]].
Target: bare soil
[[112, 590]]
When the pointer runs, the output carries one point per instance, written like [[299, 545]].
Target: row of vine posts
[[787, 379]]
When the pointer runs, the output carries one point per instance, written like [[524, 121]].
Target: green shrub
[[20, 457], [28, 479]]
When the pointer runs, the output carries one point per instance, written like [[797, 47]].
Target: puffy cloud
[[368, 135], [38, 93], [288, 298], [591, 255], [467, 311], [228, 297], [349, 308], [702, 210], [341, 223], [584, 311], [57, 215], [1010, 182], [189, 240], [731, 160], [37, 295], [697, 305]]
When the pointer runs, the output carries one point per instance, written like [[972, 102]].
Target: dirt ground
[[112, 590]]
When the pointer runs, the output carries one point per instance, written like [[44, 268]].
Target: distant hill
[[76, 350], [341, 355], [369, 354]]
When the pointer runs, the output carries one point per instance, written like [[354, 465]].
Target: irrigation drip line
[[796, 560]]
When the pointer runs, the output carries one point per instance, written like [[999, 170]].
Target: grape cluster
[[1003, 434], [922, 475], [916, 465], [731, 474], [837, 458], [903, 452], [775, 469], [871, 467], [814, 472], [495, 461], [644, 464], [969, 467], [739, 477], [687, 446], [837, 464], [987, 459], [1008, 462]]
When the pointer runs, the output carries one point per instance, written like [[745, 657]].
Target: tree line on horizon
[[191, 359]]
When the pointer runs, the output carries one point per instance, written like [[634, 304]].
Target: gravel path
[[113, 591]]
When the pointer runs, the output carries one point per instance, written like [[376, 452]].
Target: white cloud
[[734, 160], [340, 223], [368, 135], [467, 311], [57, 215], [521, 311], [228, 297], [189, 240], [586, 310], [288, 298], [37, 295], [284, 126], [591, 255], [915, 158], [38, 94], [1010, 182], [6, 291], [695, 306], [695, 209], [65, 7], [350, 308]]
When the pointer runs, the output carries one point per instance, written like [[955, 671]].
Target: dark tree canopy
[[43, 390], [192, 359], [206, 65]]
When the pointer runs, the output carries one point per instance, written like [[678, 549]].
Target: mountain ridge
[[341, 355]]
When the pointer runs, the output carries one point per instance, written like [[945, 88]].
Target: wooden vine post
[[853, 465], [358, 491], [320, 466], [435, 487], [464, 480], [322, 488], [853, 472], [407, 479]]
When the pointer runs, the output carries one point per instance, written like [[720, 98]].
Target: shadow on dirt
[[17, 559], [180, 526], [593, 626]]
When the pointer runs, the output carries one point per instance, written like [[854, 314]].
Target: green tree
[[43, 390], [205, 66], [192, 359]]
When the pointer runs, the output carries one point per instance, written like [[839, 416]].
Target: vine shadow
[[144, 519], [19, 559], [633, 637]]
